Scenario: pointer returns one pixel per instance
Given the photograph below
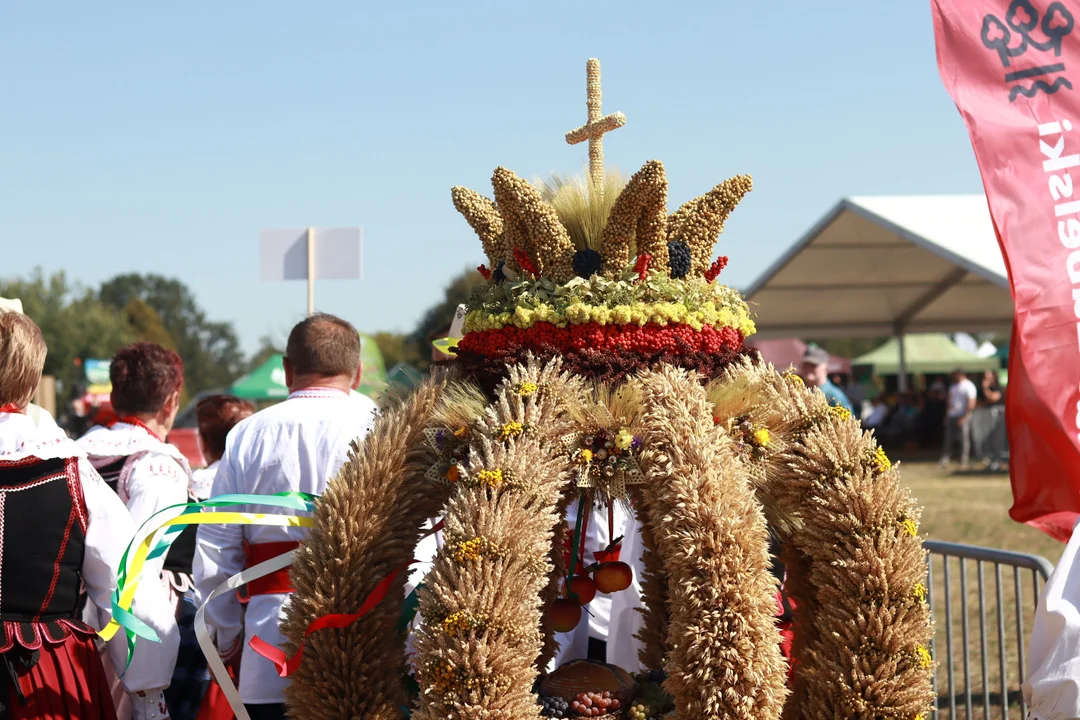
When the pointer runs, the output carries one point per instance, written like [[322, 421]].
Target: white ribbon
[[213, 660]]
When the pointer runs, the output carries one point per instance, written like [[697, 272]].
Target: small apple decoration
[[613, 577], [583, 588], [564, 615]]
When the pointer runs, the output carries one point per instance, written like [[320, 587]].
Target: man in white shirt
[[960, 404], [1052, 690], [297, 445]]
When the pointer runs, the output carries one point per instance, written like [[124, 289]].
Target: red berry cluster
[[641, 267], [718, 265], [483, 270], [595, 704], [525, 263], [650, 339]]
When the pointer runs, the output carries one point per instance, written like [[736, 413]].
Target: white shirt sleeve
[[219, 554], [108, 532], [1053, 688]]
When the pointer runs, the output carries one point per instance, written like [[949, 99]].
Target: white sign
[[283, 254]]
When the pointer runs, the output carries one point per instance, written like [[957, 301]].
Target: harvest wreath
[[603, 361]]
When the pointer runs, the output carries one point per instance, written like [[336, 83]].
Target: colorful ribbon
[[202, 633], [157, 542]]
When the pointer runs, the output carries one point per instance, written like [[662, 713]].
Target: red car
[[185, 432]]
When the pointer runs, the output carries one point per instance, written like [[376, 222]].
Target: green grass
[[974, 510]]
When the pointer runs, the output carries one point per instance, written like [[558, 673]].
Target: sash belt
[[273, 584]]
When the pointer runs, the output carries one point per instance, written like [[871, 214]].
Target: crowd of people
[[79, 503], [939, 417]]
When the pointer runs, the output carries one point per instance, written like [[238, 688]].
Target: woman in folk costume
[[1053, 689], [147, 473], [69, 529], [131, 453]]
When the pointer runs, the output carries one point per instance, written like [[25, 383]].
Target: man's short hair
[[143, 377], [325, 346], [815, 355], [22, 358]]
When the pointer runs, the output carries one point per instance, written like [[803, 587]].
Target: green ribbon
[[132, 626]]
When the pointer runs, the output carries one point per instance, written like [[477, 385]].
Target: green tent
[[929, 354], [267, 382]]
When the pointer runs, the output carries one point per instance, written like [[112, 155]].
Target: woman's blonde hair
[[22, 358]]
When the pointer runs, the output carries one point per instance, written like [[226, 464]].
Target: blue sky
[[162, 137]]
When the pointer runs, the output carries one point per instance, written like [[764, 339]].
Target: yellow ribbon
[[206, 518]]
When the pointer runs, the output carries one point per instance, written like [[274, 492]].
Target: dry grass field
[[973, 509]]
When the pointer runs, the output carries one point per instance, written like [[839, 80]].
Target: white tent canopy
[[880, 266], [886, 266]]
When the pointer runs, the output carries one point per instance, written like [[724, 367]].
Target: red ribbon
[[286, 666], [10, 408]]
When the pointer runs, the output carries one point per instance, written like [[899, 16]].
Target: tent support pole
[[901, 379]]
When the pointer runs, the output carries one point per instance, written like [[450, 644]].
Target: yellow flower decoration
[[881, 460], [794, 379], [527, 388], [919, 591], [925, 659], [910, 527], [762, 437], [585, 456], [624, 439], [510, 430], [455, 623], [491, 478], [841, 413]]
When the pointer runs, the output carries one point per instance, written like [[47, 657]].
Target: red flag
[[1013, 69]]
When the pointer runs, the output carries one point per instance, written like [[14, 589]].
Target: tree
[[147, 324], [210, 350], [268, 347], [439, 316], [397, 348], [75, 324]]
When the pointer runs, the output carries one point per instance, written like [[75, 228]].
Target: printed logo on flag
[[1025, 29]]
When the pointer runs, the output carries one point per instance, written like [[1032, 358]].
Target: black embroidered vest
[[43, 522]]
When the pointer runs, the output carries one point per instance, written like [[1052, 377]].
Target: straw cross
[[594, 129]]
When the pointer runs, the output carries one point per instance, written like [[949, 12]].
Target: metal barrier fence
[[1010, 662]]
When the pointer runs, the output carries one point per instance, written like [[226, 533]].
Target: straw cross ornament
[[594, 129]]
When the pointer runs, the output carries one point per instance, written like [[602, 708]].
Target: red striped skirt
[[68, 681]]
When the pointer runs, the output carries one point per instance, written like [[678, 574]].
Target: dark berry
[[587, 263], [498, 275], [678, 258], [657, 676]]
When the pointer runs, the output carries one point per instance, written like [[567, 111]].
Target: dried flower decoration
[[910, 526], [451, 449], [919, 591], [880, 460], [605, 462], [840, 412], [510, 430]]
